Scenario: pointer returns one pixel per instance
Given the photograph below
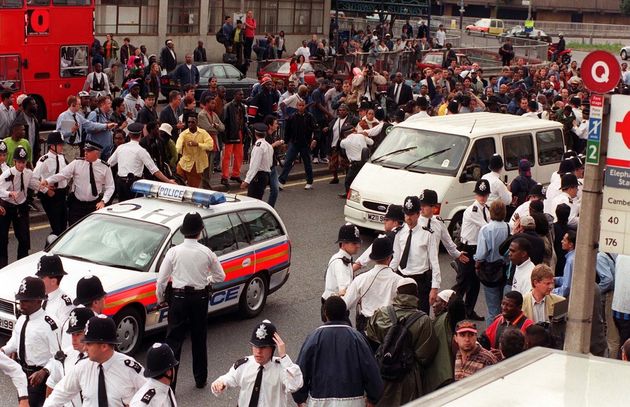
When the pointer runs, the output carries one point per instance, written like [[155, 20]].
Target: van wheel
[[455, 228], [254, 296], [624, 55], [129, 330]]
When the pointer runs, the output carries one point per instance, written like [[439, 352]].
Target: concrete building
[[151, 22]]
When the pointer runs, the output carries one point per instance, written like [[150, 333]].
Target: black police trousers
[[56, 210], [18, 216], [467, 283], [353, 171], [123, 187], [188, 310], [78, 209], [256, 188]]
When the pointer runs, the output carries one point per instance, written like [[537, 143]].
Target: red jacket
[[495, 330]]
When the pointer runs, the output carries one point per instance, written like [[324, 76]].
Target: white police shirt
[[58, 306], [131, 158], [472, 222], [280, 378], [373, 289], [498, 189], [338, 274], [59, 369], [573, 203], [123, 379], [3, 167], [354, 144], [47, 166], [423, 253], [154, 393], [79, 171], [261, 159], [12, 369], [11, 181], [521, 210], [40, 339]]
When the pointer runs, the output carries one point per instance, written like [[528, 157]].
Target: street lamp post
[[461, 16]]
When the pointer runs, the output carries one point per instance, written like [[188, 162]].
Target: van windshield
[[421, 151]]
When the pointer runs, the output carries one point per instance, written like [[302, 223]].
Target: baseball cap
[[445, 295], [466, 326]]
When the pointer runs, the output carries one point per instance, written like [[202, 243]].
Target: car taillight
[[436, 209]]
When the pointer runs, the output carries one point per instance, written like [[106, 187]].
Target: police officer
[[12, 369], [192, 267], [90, 294], [53, 199], [160, 371], [58, 305], [475, 216], [33, 338], [261, 160], [14, 185], [131, 159], [107, 378], [569, 190], [393, 222], [3, 157], [264, 379], [92, 186], [498, 189], [416, 254], [65, 360]]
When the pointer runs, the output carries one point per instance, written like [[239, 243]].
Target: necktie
[[405, 255], [57, 169], [44, 304], [80, 357], [485, 216], [253, 401], [170, 397], [73, 138], [22, 181], [397, 93], [102, 391], [22, 350], [93, 181]]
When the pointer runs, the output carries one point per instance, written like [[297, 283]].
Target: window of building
[[127, 17], [183, 17]]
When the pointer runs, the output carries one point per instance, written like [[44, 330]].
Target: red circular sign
[[600, 71]]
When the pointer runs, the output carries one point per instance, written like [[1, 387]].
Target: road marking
[[34, 228], [295, 183]]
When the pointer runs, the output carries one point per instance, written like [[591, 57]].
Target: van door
[[549, 150], [517, 147]]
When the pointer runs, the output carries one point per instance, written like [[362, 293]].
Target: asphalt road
[[312, 218]]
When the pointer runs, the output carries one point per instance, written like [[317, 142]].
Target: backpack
[[396, 356], [220, 36]]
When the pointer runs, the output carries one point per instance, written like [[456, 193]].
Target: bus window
[[72, 2], [73, 61], [9, 72], [11, 3], [38, 3]]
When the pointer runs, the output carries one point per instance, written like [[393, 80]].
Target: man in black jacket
[[168, 57], [299, 136], [169, 114], [235, 133], [148, 113], [399, 91]]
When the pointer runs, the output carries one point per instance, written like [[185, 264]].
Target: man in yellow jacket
[[538, 304], [193, 144]]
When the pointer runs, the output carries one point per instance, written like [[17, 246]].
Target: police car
[[124, 244]]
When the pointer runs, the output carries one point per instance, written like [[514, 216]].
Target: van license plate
[[376, 218], [6, 324]]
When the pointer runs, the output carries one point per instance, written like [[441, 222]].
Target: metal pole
[[578, 334], [529, 10], [461, 17], [337, 42]]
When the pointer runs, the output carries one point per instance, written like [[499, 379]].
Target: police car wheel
[[254, 296], [455, 228], [129, 330]]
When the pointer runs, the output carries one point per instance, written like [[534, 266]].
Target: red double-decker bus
[[45, 49]]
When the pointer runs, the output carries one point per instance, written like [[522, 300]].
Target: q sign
[[37, 22], [600, 71]]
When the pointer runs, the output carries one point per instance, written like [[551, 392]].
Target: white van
[[449, 154]]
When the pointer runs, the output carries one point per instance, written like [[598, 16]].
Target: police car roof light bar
[[179, 193]]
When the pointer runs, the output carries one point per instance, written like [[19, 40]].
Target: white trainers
[[315, 160], [324, 160], [280, 186], [308, 186]]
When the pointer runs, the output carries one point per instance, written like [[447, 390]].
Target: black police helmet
[[78, 318], [160, 358], [89, 288], [192, 225], [349, 233], [262, 335], [382, 248], [31, 288], [50, 265]]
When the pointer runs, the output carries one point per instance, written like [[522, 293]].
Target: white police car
[[124, 244]]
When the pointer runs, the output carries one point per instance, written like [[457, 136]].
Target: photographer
[[366, 84]]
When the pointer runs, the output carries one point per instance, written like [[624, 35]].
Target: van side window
[[262, 225], [478, 159], [550, 146], [516, 148]]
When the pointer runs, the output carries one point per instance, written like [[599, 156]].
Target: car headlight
[[354, 196]]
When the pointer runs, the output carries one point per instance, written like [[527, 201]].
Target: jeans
[[494, 295], [292, 153], [274, 187]]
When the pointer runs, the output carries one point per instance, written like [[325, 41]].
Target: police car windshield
[[422, 151], [111, 241]]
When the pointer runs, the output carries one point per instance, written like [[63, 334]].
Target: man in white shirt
[[440, 37], [58, 305], [303, 50], [354, 144], [498, 189], [7, 113], [375, 288], [519, 256], [569, 187], [159, 371], [580, 128]]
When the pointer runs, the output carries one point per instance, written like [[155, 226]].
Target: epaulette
[[475, 209], [105, 162], [10, 178], [439, 218], [66, 299], [134, 365], [240, 362], [51, 322], [146, 399], [258, 143], [79, 158], [43, 158]]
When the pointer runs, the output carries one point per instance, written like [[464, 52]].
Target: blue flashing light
[[177, 193], [207, 198], [141, 187]]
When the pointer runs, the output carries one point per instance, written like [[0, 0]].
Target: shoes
[[324, 160], [281, 186], [236, 179], [334, 181], [308, 186], [200, 385], [475, 317], [315, 160], [224, 181]]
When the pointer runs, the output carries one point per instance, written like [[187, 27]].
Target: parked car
[[491, 26], [279, 69], [625, 52], [434, 59], [535, 34], [227, 75]]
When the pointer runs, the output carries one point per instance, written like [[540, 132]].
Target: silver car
[[625, 52]]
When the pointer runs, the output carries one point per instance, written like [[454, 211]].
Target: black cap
[[577, 162], [50, 266], [100, 329], [192, 225], [496, 162], [135, 128], [538, 190], [428, 197], [566, 165], [78, 318], [89, 288], [395, 212], [349, 233], [31, 288], [568, 181], [260, 128], [150, 95], [568, 154], [160, 358], [379, 113], [411, 205], [92, 145], [482, 187], [54, 138], [20, 154], [382, 248], [365, 105], [262, 335], [346, 128], [3, 147]]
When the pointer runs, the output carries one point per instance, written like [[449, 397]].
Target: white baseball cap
[[166, 128], [445, 295], [405, 281]]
